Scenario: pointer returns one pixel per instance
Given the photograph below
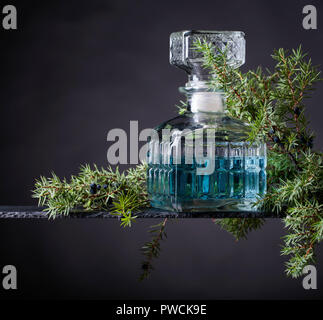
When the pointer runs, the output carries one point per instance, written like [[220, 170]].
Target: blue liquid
[[235, 183]]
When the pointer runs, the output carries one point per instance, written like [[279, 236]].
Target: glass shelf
[[34, 212]]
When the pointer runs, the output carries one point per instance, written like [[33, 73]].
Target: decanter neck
[[185, 53], [201, 99]]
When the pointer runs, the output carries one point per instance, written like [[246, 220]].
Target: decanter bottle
[[201, 160]]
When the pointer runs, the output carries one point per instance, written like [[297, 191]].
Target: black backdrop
[[74, 70]]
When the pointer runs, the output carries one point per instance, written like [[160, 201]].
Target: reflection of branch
[[151, 249], [240, 227]]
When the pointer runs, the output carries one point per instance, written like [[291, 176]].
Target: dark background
[[76, 69]]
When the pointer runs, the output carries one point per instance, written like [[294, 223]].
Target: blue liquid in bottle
[[235, 184]]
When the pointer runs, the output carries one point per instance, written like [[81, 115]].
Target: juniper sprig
[[240, 227], [121, 193], [272, 102], [151, 249]]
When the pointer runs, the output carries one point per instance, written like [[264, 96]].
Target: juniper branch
[[151, 249], [273, 104], [95, 189]]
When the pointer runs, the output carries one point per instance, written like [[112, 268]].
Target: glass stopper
[[183, 54]]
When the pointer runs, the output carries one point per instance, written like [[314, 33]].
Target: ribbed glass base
[[235, 184]]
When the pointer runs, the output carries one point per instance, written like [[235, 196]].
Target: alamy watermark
[[9, 279], [310, 18], [173, 146], [310, 280], [9, 18]]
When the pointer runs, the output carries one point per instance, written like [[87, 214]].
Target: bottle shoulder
[[224, 127]]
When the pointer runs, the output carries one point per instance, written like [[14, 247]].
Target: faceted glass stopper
[[185, 56]]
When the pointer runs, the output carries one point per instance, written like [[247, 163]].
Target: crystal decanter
[[201, 160]]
